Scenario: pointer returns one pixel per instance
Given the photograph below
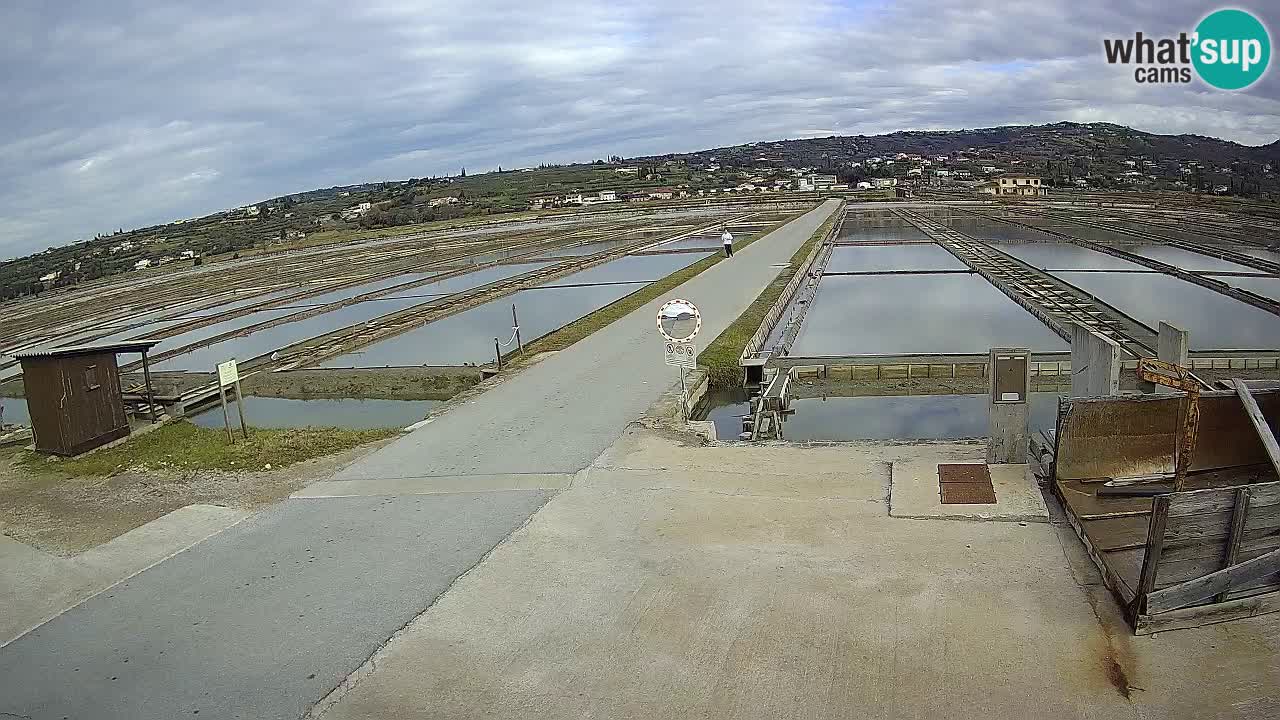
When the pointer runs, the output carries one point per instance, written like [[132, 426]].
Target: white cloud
[[130, 113]]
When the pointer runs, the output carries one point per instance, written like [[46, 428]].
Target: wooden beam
[[1182, 595], [1259, 422], [1151, 558], [1208, 614], [1232, 551]]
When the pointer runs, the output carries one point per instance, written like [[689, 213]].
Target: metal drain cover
[[965, 484]]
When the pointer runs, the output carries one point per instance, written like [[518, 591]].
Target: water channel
[[467, 337], [353, 414], [898, 314], [894, 417], [878, 258], [1215, 321]]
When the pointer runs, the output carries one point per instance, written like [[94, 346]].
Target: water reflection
[[873, 258], [1064, 256], [14, 411], [268, 412], [893, 314], [1215, 321], [467, 337], [904, 417]]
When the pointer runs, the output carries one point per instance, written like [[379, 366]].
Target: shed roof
[[128, 346]]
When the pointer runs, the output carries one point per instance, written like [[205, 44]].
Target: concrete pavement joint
[[370, 666], [113, 585]]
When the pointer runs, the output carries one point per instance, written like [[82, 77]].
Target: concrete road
[[771, 582], [259, 621], [264, 620], [557, 416]]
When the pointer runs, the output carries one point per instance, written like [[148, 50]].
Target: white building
[[142, 264], [884, 182], [822, 182], [864, 185], [1014, 185], [608, 196]]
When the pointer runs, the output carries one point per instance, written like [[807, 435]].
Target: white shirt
[[727, 238]]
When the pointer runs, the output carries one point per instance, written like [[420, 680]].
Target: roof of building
[[46, 351]]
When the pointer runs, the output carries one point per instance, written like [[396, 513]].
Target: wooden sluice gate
[[1175, 554]]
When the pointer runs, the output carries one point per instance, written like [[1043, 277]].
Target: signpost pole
[[244, 427], [226, 418], [684, 397]]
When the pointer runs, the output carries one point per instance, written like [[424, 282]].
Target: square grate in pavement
[[965, 484]]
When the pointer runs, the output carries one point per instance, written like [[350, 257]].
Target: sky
[[124, 114]]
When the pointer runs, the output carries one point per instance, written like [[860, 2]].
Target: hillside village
[[1018, 160]]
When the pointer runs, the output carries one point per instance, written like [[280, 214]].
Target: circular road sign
[[679, 320]]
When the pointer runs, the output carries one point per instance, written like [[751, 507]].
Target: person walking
[[727, 238]]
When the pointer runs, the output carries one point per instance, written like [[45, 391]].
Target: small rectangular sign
[[228, 373], [680, 354]]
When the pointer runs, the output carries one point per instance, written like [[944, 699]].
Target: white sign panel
[[680, 354], [228, 373]]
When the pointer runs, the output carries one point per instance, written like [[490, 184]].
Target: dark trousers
[[728, 251]]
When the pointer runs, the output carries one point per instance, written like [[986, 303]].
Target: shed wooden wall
[[69, 416]]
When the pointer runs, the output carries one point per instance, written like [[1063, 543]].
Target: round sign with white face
[[679, 320]]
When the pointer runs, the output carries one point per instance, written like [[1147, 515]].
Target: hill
[[1094, 155]]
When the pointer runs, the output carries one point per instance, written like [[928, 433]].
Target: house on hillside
[[542, 202], [142, 264], [1014, 185], [822, 182], [446, 200]]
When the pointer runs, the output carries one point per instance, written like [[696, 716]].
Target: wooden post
[[244, 427], [1238, 514], [1259, 421], [497, 351], [1151, 558], [515, 323], [226, 418], [146, 376]]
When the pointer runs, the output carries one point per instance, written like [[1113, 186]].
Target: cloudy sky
[[126, 113]]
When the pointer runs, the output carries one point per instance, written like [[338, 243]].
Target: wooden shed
[[74, 397]]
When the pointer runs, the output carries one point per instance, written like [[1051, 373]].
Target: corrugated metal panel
[[49, 351]]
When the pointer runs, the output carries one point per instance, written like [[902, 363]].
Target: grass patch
[[183, 446], [720, 357], [584, 326]]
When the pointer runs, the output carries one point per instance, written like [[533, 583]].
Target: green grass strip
[[720, 357], [183, 446]]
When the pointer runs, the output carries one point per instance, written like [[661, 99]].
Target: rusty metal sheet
[[964, 473], [961, 493], [1127, 436]]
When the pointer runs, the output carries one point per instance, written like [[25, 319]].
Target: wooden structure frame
[[74, 396], [1180, 559]]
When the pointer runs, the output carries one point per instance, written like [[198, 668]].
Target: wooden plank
[[1119, 585], [1207, 614], [1259, 421], [1237, 534], [1215, 500], [1155, 543], [1180, 596]]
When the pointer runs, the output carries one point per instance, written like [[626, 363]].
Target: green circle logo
[[1232, 49]]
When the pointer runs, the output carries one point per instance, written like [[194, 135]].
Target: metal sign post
[[679, 322], [229, 376]]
